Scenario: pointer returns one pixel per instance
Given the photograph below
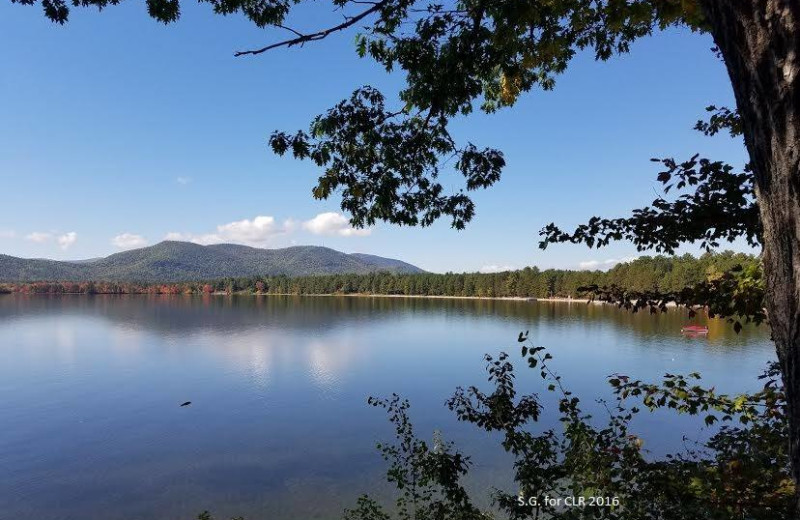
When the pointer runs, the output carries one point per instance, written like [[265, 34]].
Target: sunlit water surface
[[279, 428]]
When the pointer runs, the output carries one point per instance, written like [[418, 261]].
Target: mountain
[[387, 264], [171, 261]]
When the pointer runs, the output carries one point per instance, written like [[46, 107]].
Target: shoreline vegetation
[[581, 300], [424, 296], [659, 273]]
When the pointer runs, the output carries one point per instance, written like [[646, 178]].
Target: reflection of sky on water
[[89, 388]]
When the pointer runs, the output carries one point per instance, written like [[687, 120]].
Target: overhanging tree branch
[[721, 207], [319, 35]]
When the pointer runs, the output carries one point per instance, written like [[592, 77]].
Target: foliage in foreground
[[740, 472]]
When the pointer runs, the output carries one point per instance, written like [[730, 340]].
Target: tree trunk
[[760, 43]]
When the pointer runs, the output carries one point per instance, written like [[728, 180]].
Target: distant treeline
[[645, 273]]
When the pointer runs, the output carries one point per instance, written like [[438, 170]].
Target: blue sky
[[117, 131]]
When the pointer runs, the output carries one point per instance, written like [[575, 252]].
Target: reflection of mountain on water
[[262, 356], [186, 314]]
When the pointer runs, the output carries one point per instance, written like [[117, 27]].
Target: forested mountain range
[[172, 261]]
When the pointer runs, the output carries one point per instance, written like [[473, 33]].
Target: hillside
[[184, 261]]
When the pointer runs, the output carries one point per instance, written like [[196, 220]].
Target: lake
[[279, 428]]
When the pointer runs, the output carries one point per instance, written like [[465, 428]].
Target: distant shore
[[328, 295], [425, 296], [531, 299], [523, 299]]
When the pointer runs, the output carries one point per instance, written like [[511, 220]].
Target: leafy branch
[[302, 39]]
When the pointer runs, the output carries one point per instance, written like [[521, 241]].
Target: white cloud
[[262, 230], [40, 237], [331, 223], [496, 268], [181, 237], [7, 233], [66, 240], [203, 240], [257, 232], [290, 225], [183, 181], [129, 241], [591, 265]]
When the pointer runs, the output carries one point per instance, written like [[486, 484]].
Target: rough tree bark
[[760, 43]]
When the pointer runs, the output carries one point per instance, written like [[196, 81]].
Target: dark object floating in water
[[187, 403], [694, 329]]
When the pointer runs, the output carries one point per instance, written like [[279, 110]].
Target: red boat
[[694, 329]]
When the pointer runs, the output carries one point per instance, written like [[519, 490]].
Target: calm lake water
[[90, 387]]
